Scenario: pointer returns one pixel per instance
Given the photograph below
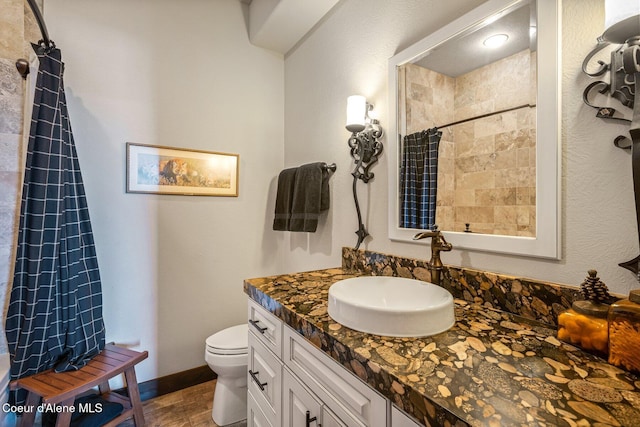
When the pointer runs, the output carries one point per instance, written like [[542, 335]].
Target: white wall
[[179, 74], [348, 54]]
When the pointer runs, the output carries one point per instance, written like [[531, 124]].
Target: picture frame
[[168, 170]]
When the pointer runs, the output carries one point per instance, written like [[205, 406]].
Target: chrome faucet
[[438, 244]]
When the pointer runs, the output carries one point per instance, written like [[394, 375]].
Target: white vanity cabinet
[[291, 383]]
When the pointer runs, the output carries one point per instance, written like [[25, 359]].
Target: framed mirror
[[477, 131]]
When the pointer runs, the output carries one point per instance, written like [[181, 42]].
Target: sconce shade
[[356, 113], [622, 20]]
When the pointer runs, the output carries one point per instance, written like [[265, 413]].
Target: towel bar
[[330, 167]]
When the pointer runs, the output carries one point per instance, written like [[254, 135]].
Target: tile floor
[[190, 407]]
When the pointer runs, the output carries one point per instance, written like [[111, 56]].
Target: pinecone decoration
[[592, 289]]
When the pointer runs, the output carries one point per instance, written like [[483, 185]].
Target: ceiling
[[279, 25], [466, 53]]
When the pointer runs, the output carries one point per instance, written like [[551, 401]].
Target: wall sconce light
[[622, 22], [365, 147]]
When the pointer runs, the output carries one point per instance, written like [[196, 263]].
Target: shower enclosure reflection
[[477, 148], [468, 135]]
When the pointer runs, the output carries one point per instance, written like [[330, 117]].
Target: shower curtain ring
[[48, 46]]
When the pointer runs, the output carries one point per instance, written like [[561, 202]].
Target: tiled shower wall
[[17, 29], [486, 167]]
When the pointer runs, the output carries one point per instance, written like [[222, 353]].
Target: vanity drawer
[[264, 380], [353, 401], [266, 326]]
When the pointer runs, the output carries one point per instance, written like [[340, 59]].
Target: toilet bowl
[[227, 355]]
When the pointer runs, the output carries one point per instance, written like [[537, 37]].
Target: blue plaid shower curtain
[[419, 179], [54, 318]]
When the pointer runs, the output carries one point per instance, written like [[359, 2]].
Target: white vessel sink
[[391, 306]]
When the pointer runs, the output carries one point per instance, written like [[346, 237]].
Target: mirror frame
[[547, 242]]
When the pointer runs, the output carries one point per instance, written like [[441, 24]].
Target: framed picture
[[166, 170]]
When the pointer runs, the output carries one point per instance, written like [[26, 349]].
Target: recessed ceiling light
[[496, 40]]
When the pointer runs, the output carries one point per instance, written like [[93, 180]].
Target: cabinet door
[[298, 404], [255, 416]]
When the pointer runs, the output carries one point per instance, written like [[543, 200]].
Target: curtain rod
[[482, 116], [43, 28], [22, 64]]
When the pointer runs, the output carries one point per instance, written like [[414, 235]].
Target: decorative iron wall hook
[[624, 72]]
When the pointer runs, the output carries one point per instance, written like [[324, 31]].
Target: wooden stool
[[62, 388]]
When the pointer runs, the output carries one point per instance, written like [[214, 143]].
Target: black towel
[[310, 197], [284, 199]]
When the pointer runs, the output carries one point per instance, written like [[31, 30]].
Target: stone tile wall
[[429, 98], [486, 171], [17, 29]]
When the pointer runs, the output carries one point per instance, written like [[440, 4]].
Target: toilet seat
[[230, 341]]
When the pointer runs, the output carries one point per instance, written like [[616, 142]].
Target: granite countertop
[[491, 369]]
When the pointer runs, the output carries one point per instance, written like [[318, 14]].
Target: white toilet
[[227, 355]]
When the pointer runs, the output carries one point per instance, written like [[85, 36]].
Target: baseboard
[[174, 382]]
